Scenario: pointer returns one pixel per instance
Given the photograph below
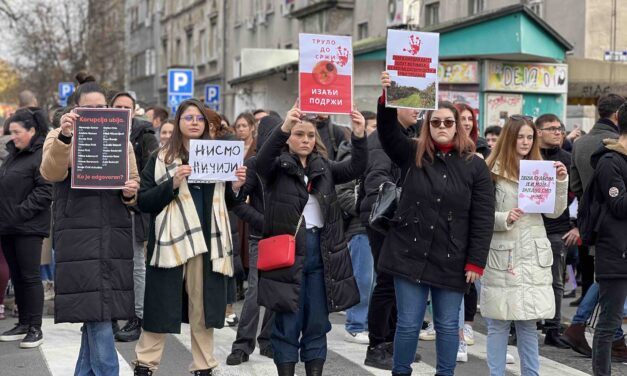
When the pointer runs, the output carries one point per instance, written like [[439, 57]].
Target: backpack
[[590, 212]]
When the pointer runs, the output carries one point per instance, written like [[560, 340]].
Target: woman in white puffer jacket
[[517, 282]]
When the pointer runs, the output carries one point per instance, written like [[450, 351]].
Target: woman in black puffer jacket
[[301, 185], [25, 221]]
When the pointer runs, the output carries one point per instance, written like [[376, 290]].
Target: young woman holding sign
[[438, 240], [94, 250], [301, 198], [189, 254], [25, 221], [517, 284]]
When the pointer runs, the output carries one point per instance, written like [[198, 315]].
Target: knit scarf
[[178, 230]]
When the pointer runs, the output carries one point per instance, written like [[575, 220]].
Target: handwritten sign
[[325, 74], [536, 186], [215, 160], [521, 77], [100, 148], [412, 62]]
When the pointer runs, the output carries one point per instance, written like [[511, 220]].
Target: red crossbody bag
[[278, 251]]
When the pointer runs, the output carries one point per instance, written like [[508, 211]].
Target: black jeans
[[23, 254], [558, 269], [382, 310], [612, 293], [586, 268]]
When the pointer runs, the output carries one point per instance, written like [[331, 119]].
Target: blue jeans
[[47, 271], [586, 308], [411, 303], [363, 269], [97, 356], [527, 343], [307, 328]]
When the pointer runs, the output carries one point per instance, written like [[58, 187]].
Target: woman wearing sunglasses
[[439, 238], [189, 257], [517, 284]]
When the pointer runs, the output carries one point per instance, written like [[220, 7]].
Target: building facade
[[106, 46]]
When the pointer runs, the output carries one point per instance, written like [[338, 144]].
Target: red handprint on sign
[[342, 56], [414, 45]]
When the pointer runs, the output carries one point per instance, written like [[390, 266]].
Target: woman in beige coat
[[516, 285]]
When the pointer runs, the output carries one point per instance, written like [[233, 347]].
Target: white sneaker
[[360, 338], [469, 335], [509, 358], [462, 352], [427, 334], [231, 320]]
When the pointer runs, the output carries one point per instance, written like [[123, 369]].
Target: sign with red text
[[536, 186], [100, 148], [412, 62], [325, 74]]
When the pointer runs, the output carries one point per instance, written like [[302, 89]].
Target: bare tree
[[6, 9]]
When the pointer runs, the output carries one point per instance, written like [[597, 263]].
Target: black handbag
[[385, 206]]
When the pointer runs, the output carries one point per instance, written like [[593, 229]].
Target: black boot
[[142, 371], [314, 367], [285, 369], [553, 339], [203, 372], [131, 331], [401, 374]]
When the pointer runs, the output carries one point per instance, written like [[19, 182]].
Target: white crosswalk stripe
[[61, 345]]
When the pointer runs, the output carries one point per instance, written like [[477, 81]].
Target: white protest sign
[[536, 186], [215, 160]]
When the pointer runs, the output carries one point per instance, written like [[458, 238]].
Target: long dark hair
[[426, 146], [32, 117], [175, 148]]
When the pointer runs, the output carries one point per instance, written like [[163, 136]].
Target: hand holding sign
[[67, 123], [292, 118], [537, 185], [385, 79], [182, 172], [216, 161], [240, 173]]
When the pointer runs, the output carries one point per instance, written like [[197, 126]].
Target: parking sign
[[180, 86], [65, 90], [212, 97]]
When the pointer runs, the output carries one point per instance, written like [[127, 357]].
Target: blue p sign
[[212, 96], [181, 81], [65, 89]]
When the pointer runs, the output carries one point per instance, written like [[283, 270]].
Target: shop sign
[[458, 72], [526, 77]]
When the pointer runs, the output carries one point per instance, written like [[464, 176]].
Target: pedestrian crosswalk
[[62, 342]]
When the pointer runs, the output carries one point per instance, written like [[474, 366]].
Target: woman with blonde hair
[[517, 282]]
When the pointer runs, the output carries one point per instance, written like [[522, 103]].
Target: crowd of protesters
[[163, 251]]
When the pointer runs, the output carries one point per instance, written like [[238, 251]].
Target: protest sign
[[100, 148], [536, 186], [325, 74], [412, 62], [215, 160]]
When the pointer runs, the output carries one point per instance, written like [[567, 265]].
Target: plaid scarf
[[221, 242]]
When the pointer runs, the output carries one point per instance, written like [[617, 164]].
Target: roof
[[373, 44]]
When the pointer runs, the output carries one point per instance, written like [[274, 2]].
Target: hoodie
[[610, 162], [253, 189]]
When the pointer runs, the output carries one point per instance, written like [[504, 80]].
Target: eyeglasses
[[521, 117], [435, 123], [190, 118], [552, 129]]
